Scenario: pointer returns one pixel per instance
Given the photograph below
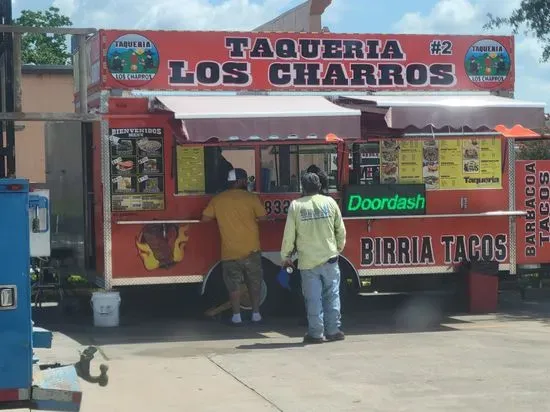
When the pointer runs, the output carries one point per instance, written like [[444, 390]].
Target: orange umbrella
[[518, 131], [332, 138]]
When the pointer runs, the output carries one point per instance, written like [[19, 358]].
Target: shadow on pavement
[[175, 315], [535, 306], [270, 346]]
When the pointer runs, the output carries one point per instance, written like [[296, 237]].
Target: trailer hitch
[[83, 368]]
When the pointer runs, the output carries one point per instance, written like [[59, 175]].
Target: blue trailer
[[22, 382]]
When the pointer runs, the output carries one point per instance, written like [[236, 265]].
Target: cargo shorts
[[248, 269]]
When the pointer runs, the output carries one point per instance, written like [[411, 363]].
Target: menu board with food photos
[[443, 164], [137, 168]]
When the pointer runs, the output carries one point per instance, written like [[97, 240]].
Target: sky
[[343, 16]]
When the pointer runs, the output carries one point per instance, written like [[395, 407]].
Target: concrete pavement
[[467, 363]]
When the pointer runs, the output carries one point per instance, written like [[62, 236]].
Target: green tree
[[538, 149], [535, 150], [44, 48], [532, 17]]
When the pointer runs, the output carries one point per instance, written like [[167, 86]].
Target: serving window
[[282, 166], [454, 164], [203, 169]]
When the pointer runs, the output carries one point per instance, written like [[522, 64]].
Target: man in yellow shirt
[[315, 230], [237, 212]]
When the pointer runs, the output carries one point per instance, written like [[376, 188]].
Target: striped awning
[[475, 111], [243, 118]]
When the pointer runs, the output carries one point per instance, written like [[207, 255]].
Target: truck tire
[[349, 286], [279, 301], [216, 294]]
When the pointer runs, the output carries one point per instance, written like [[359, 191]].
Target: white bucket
[[106, 309]]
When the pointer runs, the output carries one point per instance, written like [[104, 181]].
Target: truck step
[[56, 389], [423, 293], [41, 338]]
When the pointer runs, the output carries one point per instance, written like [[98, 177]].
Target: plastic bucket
[[106, 307]]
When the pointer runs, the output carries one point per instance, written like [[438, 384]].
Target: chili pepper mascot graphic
[[161, 246]]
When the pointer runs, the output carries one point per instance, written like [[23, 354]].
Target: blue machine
[[21, 382]]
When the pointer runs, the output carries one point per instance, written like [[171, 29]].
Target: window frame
[[257, 146], [298, 143]]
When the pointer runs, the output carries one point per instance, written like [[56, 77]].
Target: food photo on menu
[[470, 156], [150, 165], [430, 164], [389, 169], [124, 147], [125, 184], [125, 166], [151, 184], [149, 147], [389, 157]]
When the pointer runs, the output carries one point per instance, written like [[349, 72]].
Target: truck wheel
[[279, 301], [349, 286], [216, 294]]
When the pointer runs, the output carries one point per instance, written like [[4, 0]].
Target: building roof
[[46, 69], [314, 8]]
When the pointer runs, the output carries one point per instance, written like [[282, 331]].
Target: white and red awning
[[473, 111], [234, 118]]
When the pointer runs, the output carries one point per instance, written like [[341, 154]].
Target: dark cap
[[311, 183], [323, 178], [235, 175], [313, 169]]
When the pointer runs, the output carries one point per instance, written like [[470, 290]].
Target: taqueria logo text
[[312, 62]]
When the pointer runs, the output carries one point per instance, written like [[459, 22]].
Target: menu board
[[191, 174], [137, 169], [443, 164]]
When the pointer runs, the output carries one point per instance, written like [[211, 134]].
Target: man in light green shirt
[[315, 230]]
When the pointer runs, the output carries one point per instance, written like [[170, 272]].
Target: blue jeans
[[321, 289]]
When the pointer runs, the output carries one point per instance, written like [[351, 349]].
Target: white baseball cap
[[237, 174]]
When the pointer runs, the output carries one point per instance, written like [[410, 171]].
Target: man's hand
[[288, 263]]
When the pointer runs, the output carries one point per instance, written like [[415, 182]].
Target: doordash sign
[[533, 197], [384, 200]]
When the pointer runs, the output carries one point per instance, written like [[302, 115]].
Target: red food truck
[[412, 130]]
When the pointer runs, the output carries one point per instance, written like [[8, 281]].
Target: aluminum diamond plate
[[105, 179], [157, 280], [512, 204]]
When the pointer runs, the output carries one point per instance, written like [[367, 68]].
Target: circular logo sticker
[[487, 63], [133, 60]]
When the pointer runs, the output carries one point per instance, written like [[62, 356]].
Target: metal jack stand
[[83, 368]]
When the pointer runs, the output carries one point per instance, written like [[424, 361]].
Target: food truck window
[[283, 165], [204, 169]]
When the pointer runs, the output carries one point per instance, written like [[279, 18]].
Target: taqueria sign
[[187, 60]]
